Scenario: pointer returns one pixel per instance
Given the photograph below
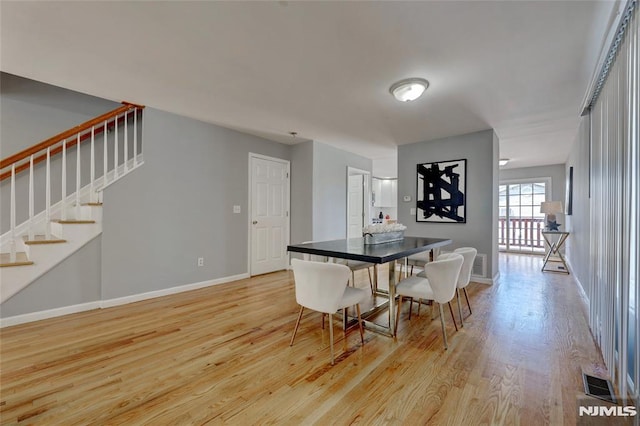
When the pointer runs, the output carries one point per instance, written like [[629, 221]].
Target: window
[[520, 223]]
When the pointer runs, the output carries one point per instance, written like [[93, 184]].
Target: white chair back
[[313, 257], [469, 254], [443, 276], [320, 286]]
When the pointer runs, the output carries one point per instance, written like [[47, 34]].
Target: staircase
[[96, 154]]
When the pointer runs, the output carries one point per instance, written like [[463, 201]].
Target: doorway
[[520, 223], [269, 193]]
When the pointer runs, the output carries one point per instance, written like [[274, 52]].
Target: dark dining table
[[390, 252]]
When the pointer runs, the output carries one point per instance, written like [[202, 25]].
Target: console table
[[555, 240]]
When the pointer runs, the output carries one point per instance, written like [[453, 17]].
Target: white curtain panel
[[615, 212]]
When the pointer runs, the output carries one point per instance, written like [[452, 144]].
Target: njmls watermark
[[594, 412], [611, 411]]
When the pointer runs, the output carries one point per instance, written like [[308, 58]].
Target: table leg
[[392, 297], [375, 278]]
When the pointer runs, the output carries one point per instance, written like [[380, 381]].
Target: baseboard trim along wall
[[172, 290], [488, 281], [50, 313], [99, 304]]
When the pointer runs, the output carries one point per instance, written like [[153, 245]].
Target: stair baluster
[[78, 178], [92, 168], [135, 137], [126, 143], [31, 232], [47, 232], [12, 256], [115, 155], [63, 213]]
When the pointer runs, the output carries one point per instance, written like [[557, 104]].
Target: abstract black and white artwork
[[441, 192]]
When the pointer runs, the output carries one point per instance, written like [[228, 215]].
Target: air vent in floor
[[598, 388]]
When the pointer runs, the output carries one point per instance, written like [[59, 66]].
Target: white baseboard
[[583, 294], [482, 280], [99, 304], [51, 313], [167, 291]]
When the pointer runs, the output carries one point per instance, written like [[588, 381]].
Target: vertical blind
[[615, 211]]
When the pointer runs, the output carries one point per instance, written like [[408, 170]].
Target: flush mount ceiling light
[[503, 161], [409, 89]]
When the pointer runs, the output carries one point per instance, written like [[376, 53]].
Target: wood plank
[[221, 355]]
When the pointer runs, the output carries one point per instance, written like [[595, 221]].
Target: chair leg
[[331, 335], [444, 332], [322, 321], [459, 307], [411, 269], [452, 317], [395, 330], [467, 297], [370, 280], [297, 324], [410, 308], [360, 324], [353, 278], [344, 329]]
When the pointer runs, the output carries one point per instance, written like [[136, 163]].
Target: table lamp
[[551, 208]]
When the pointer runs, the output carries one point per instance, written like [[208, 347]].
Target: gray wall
[[302, 192], [179, 206], [74, 281], [578, 253], [34, 111], [330, 189], [481, 152]]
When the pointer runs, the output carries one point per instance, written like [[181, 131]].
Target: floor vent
[[598, 388], [480, 266]]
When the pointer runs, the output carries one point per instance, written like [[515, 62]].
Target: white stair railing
[[11, 168]]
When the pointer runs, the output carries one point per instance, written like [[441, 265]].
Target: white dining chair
[[469, 255], [353, 265], [439, 285], [422, 258], [313, 257], [357, 265], [323, 287]]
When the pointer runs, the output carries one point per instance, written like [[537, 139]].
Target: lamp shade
[[551, 207]]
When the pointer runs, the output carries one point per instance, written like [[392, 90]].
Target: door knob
[[255, 222]]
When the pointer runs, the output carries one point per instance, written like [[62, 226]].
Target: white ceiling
[[323, 69]]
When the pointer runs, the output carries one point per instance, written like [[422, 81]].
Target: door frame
[[366, 195], [548, 181], [253, 155]]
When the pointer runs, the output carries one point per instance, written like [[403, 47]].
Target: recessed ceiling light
[[409, 89], [503, 161]]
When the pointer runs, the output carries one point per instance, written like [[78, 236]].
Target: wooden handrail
[[66, 134]]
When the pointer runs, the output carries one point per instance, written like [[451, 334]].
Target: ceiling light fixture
[[503, 161], [408, 89]]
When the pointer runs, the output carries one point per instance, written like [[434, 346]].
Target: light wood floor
[[221, 355]]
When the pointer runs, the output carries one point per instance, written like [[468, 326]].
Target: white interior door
[[356, 206], [358, 201], [269, 214]]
